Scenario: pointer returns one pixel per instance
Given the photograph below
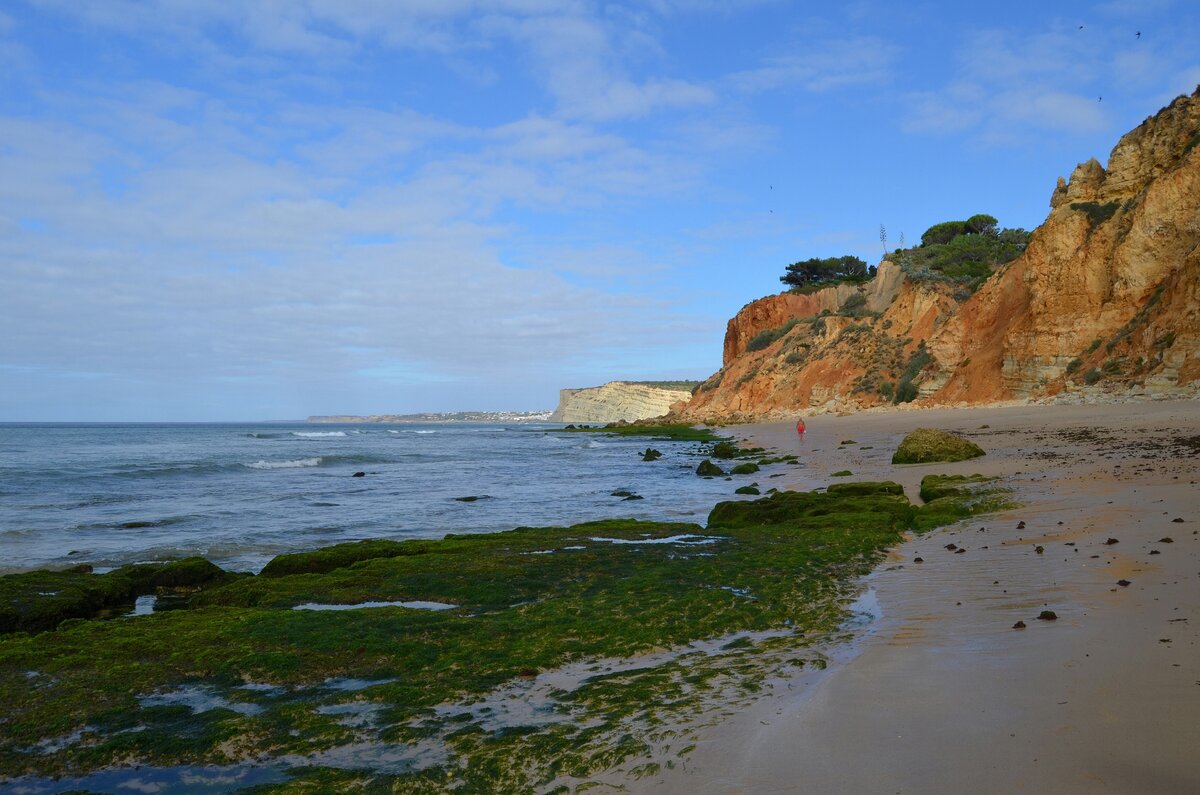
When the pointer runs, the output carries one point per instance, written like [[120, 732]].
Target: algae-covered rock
[[37, 601], [724, 450], [806, 508], [926, 445], [188, 573], [651, 454], [861, 489], [747, 468], [746, 490], [934, 487], [708, 469], [325, 560]]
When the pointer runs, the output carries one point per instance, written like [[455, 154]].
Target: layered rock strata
[[1103, 303], [616, 401]]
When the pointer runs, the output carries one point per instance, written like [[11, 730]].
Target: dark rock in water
[[1166, 540], [633, 497], [1047, 615], [952, 547], [569, 428], [471, 498], [137, 525], [1112, 541], [748, 468], [1178, 520], [724, 450], [1020, 525], [1124, 583], [1039, 549], [709, 470], [359, 475], [622, 493], [1155, 552], [918, 560], [847, 441], [959, 551], [746, 490], [1019, 625], [651, 454]]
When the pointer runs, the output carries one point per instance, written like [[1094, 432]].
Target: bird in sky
[[1137, 35]]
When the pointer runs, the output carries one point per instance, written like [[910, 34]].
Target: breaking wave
[[297, 463]]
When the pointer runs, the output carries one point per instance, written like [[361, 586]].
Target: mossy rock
[[747, 468], [747, 490], [802, 508], [843, 473], [340, 556], [189, 573], [928, 445], [937, 486], [862, 489], [708, 469], [725, 450], [37, 601]]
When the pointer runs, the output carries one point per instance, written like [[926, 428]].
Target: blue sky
[[222, 211]]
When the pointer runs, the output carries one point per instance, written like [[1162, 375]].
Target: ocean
[[239, 494]]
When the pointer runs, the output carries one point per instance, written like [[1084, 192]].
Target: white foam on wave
[[296, 464], [316, 434], [424, 431]]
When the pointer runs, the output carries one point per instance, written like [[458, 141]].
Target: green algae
[[679, 432], [533, 599], [928, 445], [950, 498], [37, 601]]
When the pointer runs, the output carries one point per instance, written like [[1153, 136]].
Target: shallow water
[[239, 494]]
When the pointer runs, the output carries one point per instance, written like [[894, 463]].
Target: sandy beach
[[941, 693]]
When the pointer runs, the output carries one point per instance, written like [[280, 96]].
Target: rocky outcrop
[[1104, 300], [617, 401]]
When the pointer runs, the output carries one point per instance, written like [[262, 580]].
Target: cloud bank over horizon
[[217, 212]]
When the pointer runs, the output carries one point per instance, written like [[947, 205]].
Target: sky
[[215, 211]]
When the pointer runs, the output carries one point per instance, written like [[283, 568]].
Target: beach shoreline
[[942, 693]]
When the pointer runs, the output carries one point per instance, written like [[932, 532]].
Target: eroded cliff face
[[616, 401], [1105, 300]]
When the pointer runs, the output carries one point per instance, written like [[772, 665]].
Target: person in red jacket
[[800, 427]]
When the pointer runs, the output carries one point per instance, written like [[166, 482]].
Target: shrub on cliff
[[925, 445], [766, 337], [815, 273], [964, 252]]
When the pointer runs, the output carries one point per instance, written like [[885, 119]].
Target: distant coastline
[[439, 417]]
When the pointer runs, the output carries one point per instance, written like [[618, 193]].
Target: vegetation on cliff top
[[964, 252], [815, 273]]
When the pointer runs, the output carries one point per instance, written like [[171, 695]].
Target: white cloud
[[835, 64]]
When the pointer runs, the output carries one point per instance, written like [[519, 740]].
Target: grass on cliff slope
[[335, 698]]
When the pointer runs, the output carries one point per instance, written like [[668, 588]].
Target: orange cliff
[[1103, 304]]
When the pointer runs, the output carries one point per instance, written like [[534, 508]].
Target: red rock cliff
[[1105, 299]]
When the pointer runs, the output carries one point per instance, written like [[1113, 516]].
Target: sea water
[[239, 494]]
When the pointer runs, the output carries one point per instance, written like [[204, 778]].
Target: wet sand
[[941, 693]]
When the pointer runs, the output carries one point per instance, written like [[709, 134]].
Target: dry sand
[[941, 694]]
